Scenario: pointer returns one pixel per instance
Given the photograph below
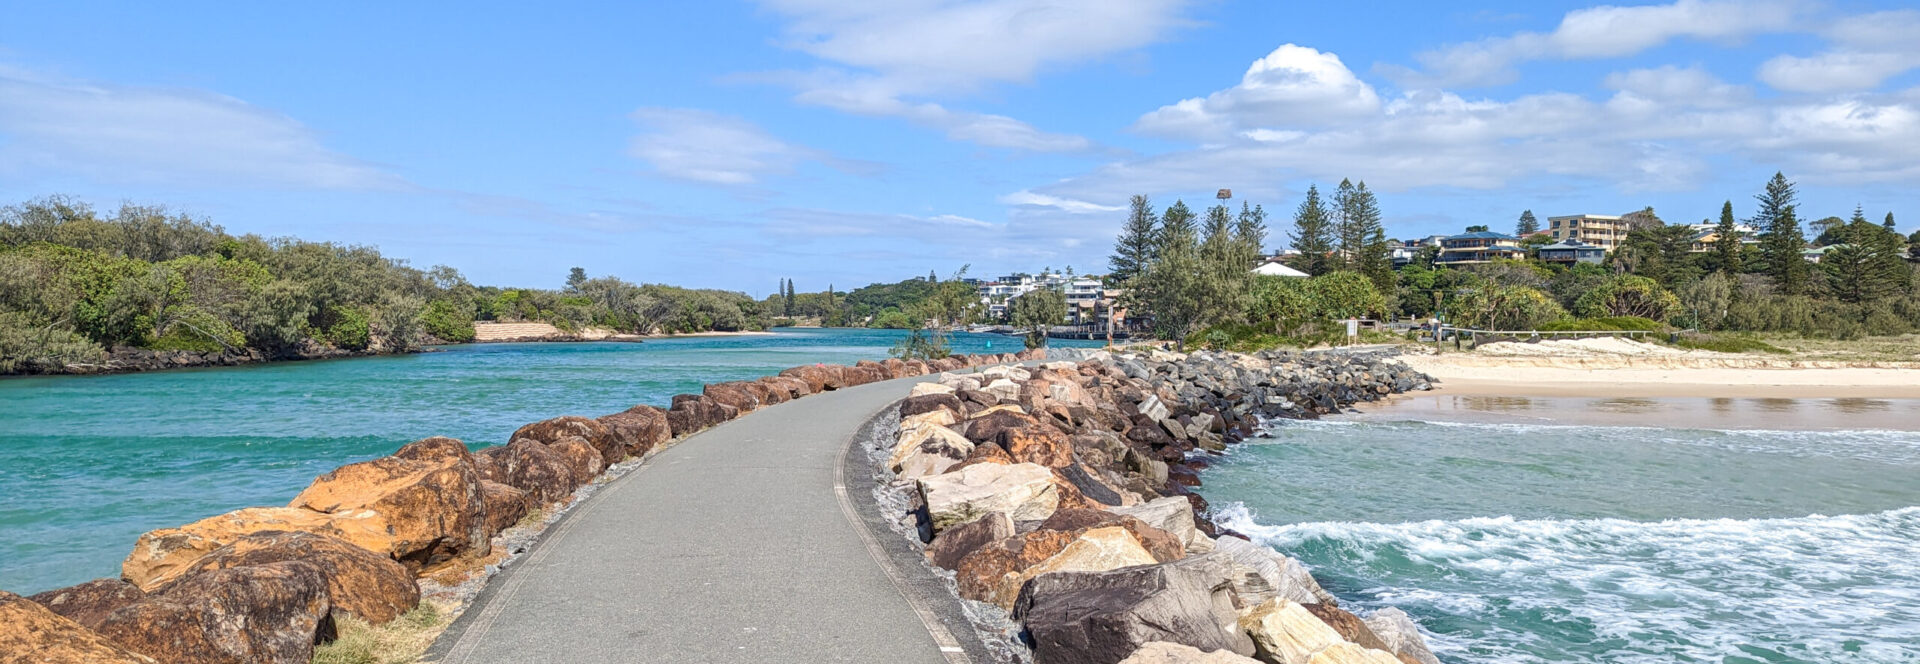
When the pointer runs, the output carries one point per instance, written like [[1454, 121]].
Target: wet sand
[[1766, 413]]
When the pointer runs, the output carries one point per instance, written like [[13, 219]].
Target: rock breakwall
[[372, 539], [1061, 500]]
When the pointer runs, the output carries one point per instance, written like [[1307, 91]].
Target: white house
[[1277, 269]]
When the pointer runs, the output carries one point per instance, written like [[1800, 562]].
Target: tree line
[[1866, 282], [76, 282]]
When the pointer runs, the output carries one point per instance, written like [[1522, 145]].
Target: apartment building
[[1600, 230]]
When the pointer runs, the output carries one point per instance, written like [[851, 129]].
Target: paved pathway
[[733, 546]]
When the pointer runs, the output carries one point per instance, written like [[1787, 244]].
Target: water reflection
[[1777, 405], [1627, 405], [1855, 406], [1496, 404]]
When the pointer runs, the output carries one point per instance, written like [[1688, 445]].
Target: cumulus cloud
[[890, 57], [1867, 50], [703, 146], [141, 134], [1601, 32], [1293, 85]]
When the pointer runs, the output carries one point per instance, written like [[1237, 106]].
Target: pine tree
[[1312, 234], [1134, 250], [1888, 224], [932, 278], [1224, 284], [1348, 236], [1250, 235], [1781, 240], [1726, 241], [1370, 258], [1867, 265], [1173, 287], [1528, 224]]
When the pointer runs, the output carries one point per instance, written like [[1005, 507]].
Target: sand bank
[[1615, 368]]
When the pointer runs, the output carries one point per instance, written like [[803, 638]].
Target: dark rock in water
[[560, 428], [638, 430], [360, 582], [532, 467], [89, 603], [928, 403], [32, 634], [1102, 617], [257, 614], [954, 543]]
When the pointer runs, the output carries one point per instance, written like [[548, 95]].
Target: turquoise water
[[87, 463], [1529, 540]]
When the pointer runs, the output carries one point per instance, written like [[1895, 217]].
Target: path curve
[[740, 544]]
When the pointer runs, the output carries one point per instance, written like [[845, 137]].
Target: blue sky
[[733, 144]]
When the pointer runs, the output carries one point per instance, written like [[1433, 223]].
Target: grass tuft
[[1729, 344], [401, 641]]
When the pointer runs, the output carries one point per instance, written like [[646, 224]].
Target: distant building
[[1402, 255], [1705, 235], [1479, 247], [1569, 252], [1815, 254], [1604, 231], [1274, 268]]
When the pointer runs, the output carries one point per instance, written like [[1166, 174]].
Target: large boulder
[[1163, 545], [733, 394], [792, 388], [360, 582], [639, 429], [438, 449], [1260, 574], [819, 377], [434, 511], [1350, 626], [929, 388], [1401, 636], [569, 426], [32, 634], [529, 466], [89, 603], [1038, 443], [1162, 652], [1091, 550], [1023, 491], [256, 614], [928, 449], [915, 405], [1353, 653], [506, 505], [954, 544], [692, 413], [1102, 617], [583, 462], [987, 425], [161, 555], [1284, 632], [1174, 515]]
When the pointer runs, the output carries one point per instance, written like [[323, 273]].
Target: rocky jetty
[[265, 585], [1061, 497]]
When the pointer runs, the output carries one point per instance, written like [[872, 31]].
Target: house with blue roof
[[1479, 247]]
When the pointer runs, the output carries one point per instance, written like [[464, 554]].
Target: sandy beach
[[1613, 368]]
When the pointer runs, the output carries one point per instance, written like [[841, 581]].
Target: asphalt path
[[743, 543]]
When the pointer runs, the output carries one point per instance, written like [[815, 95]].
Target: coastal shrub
[[1727, 344], [1503, 308], [891, 319], [32, 346], [349, 329], [1603, 324], [1627, 295], [1345, 294], [402, 640], [448, 322]]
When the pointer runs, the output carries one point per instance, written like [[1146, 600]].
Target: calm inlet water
[[1512, 537], [87, 463]]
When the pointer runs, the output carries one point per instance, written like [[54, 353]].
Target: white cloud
[[702, 146], [1602, 32], [1685, 86], [891, 57], [1292, 86], [1867, 50], [122, 133]]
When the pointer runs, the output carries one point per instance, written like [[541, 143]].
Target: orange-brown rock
[[583, 461], [984, 454], [505, 505], [161, 555], [256, 614], [986, 426], [979, 573], [1041, 444], [89, 603], [1164, 546], [529, 466], [434, 511], [732, 394], [32, 634], [692, 413], [639, 430], [360, 582], [561, 428], [793, 388], [438, 449], [817, 376]]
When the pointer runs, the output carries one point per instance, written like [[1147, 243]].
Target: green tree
[[1866, 266], [1036, 311], [1706, 301], [1660, 253], [1496, 307], [1477, 229], [1781, 241], [1174, 287], [1282, 304], [1249, 237], [1350, 233], [1312, 235], [575, 277], [1345, 294], [1528, 224], [1627, 295], [1371, 258], [1134, 250], [1726, 242]]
